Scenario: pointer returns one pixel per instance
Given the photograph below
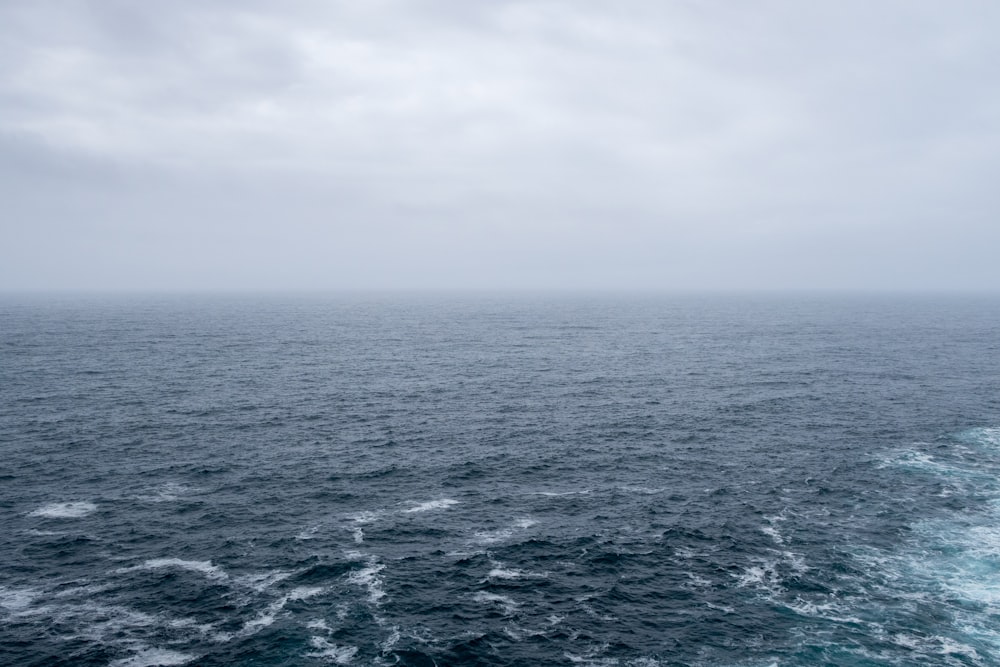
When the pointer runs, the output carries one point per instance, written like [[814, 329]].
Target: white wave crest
[[308, 533], [17, 598], [340, 655], [262, 581], [154, 657], [204, 567], [368, 578], [556, 494], [270, 614], [432, 505], [508, 605], [987, 435], [641, 490], [72, 510], [166, 493]]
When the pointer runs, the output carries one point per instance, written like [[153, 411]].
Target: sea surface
[[717, 481]]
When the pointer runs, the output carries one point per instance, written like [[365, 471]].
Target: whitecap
[[88, 590], [697, 580], [916, 460], [319, 624], [827, 610], [987, 435], [204, 567], [642, 490], [154, 657], [764, 576], [335, 653], [591, 659], [432, 505], [501, 534], [391, 640], [501, 573], [771, 530], [262, 581], [71, 510], [492, 536], [936, 644], [508, 605], [17, 598], [270, 614], [165, 493], [368, 578], [308, 533]]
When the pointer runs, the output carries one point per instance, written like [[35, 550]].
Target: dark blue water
[[717, 481]]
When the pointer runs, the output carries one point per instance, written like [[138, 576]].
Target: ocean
[[490, 479]]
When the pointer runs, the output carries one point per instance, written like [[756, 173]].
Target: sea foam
[[432, 505], [71, 510], [204, 567], [154, 657], [340, 655], [368, 578]]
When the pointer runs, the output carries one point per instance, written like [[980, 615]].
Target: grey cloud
[[678, 145]]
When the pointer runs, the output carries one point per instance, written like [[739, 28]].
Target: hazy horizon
[[680, 147]]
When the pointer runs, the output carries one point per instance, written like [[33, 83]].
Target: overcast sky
[[669, 144]]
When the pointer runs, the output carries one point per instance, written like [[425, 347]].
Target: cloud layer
[[695, 144]]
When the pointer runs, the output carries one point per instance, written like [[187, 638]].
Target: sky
[[448, 144]]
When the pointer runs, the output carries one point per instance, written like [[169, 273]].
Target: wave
[[154, 657], [269, 615], [204, 567], [509, 606], [17, 599], [340, 655], [70, 510], [432, 505], [369, 578]]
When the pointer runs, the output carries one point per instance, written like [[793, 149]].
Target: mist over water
[[712, 481]]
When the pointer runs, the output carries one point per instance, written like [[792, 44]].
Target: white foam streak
[[432, 505], [368, 578], [16, 599], [261, 582], [168, 492], [499, 571], [270, 614], [641, 490], [773, 533], [989, 436], [391, 640], [556, 494], [508, 605], [204, 567], [73, 510], [308, 533], [154, 657], [340, 655], [494, 536], [319, 624]]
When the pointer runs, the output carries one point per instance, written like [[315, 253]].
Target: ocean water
[[739, 481]]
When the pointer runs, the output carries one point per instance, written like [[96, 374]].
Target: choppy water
[[714, 481]]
